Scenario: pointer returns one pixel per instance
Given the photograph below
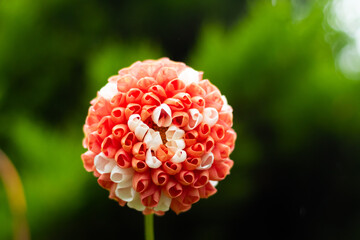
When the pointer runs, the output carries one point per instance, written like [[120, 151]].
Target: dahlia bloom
[[159, 137]]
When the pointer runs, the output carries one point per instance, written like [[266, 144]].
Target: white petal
[[164, 111], [214, 183], [178, 144], [104, 164], [136, 203], [163, 204], [126, 194], [141, 130], [152, 161], [195, 118], [226, 106], [153, 139], [189, 76], [123, 177], [134, 121], [211, 116], [206, 161], [174, 133], [179, 156], [108, 91]]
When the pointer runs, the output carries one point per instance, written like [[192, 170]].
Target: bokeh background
[[290, 69]]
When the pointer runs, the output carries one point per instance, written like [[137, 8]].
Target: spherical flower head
[[158, 136]]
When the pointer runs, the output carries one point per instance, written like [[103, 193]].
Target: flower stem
[[149, 227]]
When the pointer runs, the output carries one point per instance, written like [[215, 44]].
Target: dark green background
[[296, 172]]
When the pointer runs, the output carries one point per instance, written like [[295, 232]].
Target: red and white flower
[[159, 137]]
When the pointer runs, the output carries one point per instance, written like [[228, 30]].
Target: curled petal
[[204, 130], [211, 116], [145, 82], [139, 150], [207, 190], [174, 133], [173, 189], [209, 144], [176, 144], [171, 168], [112, 195], [110, 146], [108, 91], [196, 150], [104, 181], [218, 132], [163, 204], [189, 76], [119, 131], [123, 159], [126, 194], [158, 91], [190, 137], [206, 161], [134, 121], [147, 111], [136, 203], [141, 182], [104, 164], [174, 104], [101, 107], [94, 142], [150, 99], [195, 118], [104, 127], [189, 196], [194, 89], [208, 86], [185, 177], [119, 100], [118, 115], [214, 100], [88, 160], [191, 163], [166, 74], [198, 103], [174, 86], [229, 139], [159, 177], [123, 177], [185, 98], [163, 153], [226, 118], [132, 108], [179, 156], [139, 165], [151, 196], [153, 139], [141, 130], [202, 178], [125, 82], [220, 169], [226, 107], [180, 119], [179, 207], [221, 151], [152, 161], [162, 116], [127, 141]]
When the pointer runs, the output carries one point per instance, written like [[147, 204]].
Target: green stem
[[149, 227]]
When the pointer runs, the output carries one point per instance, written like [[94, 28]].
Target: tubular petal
[[94, 142], [166, 74], [207, 190], [174, 133], [211, 116], [158, 91], [214, 100], [141, 182], [104, 181], [206, 161], [172, 189], [176, 144], [221, 151], [88, 160], [220, 169], [141, 130], [122, 158], [202, 178], [134, 121], [209, 144], [195, 118], [179, 156], [127, 141], [194, 89], [229, 139], [174, 86], [179, 207], [190, 137], [139, 165], [163, 204], [174, 104], [162, 116], [159, 177], [185, 98], [196, 150], [125, 82], [189, 76], [153, 139], [145, 82], [163, 153], [110, 146], [139, 150], [119, 131], [191, 163], [108, 91], [147, 111], [218, 132], [203, 130], [180, 119], [126, 194], [150, 99], [119, 100], [104, 164], [152, 161], [123, 177], [171, 168], [151, 196], [189, 196], [132, 108], [185, 177], [104, 127], [136, 203], [226, 118], [118, 115]]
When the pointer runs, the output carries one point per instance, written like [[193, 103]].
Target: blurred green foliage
[[297, 118]]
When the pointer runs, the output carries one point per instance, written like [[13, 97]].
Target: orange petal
[[110, 146], [172, 189], [163, 153], [151, 196], [185, 98], [189, 196], [104, 181], [174, 104], [150, 99], [208, 86], [124, 83], [127, 141], [104, 127], [112, 195], [179, 207], [218, 132], [214, 100], [198, 103], [221, 151], [194, 89], [94, 142], [180, 119], [171, 168], [145, 82], [146, 112], [158, 91], [220, 169], [88, 160], [119, 131], [166, 74], [209, 144], [191, 163], [119, 100], [207, 190], [134, 95], [226, 118], [190, 137], [139, 150], [203, 130], [202, 178], [118, 115], [132, 108], [196, 150], [229, 139], [123, 158], [174, 86], [159, 177], [139, 165], [185, 177]]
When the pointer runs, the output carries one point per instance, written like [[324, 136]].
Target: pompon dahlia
[[159, 137]]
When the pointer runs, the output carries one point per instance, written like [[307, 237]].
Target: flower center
[[162, 131]]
